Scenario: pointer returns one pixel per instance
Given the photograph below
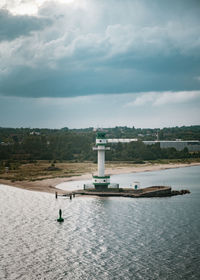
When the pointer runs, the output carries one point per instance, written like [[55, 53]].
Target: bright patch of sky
[[155, 109], [81, 63], [30, 7]]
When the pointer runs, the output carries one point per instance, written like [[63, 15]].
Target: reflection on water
[[103, 238]]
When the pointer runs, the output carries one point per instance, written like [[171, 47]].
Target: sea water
[[103, 238]]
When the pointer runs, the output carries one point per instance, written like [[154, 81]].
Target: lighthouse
[[101, 181]]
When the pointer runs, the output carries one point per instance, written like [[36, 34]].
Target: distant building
[[34, 133], [5, 143], [179, 145]]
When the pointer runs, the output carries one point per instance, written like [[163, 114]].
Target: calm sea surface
[[103, 238]]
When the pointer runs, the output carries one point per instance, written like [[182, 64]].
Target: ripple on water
[[101, 238]]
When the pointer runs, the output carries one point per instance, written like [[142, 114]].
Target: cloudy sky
[[100, 63]]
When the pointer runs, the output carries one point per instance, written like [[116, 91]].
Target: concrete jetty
[[153, 191]]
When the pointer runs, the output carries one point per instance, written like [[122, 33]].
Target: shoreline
[[49, 185]]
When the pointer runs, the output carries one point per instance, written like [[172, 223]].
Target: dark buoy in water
[[60, 219]]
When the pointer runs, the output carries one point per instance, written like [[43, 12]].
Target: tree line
[[76, 144]]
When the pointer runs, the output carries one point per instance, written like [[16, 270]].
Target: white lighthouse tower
[[101, 181]]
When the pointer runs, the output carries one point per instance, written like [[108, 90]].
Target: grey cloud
[[13, 26], [106, 48], [156, 74]]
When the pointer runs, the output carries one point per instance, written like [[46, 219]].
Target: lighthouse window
[[100, 141], [104, 180]]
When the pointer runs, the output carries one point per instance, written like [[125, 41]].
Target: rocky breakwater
[[153, 191], [160, 191]]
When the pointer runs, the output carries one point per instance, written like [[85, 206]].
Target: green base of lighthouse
[[101, 183]]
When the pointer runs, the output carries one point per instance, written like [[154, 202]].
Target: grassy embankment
[[39, 170]]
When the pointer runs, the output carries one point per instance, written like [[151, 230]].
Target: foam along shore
[[49, 185]]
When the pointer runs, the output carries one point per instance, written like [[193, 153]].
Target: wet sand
[[49, 185]]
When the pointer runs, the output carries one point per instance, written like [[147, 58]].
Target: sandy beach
[[49, 185]]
